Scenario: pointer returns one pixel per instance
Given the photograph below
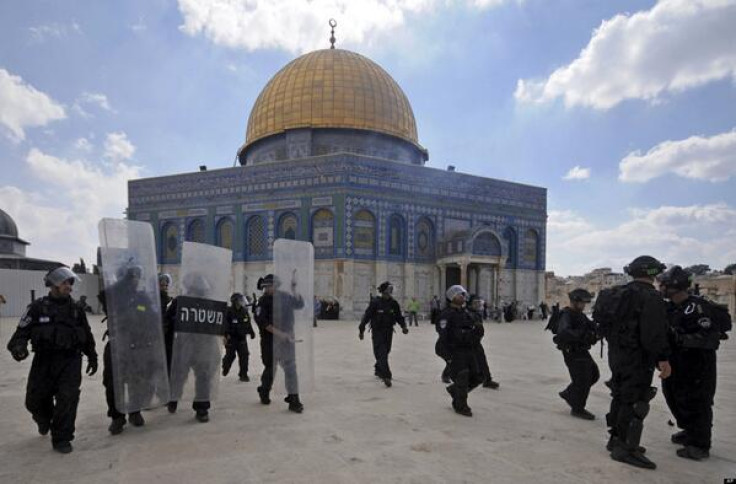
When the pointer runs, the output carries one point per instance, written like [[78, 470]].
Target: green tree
[[730, 269], [698, 269]]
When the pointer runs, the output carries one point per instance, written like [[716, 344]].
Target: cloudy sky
[[625, 110]]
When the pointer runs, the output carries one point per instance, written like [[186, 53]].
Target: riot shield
[[293, 315], [204, 288], [128, 256]]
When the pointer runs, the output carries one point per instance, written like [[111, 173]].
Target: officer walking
[[281, 334], [575, 335], [382, 313], [475, 305], [164, 281], [59, 334], [236, 342], [637, 342], [696, 329], [461, 336]]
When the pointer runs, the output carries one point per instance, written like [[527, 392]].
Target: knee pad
[[641, 410]]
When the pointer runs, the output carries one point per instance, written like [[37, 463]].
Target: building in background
[[332, 156]]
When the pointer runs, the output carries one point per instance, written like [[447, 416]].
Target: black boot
[[387, 381], [693, 453], [171, 406], [43, 427], [63, 447], [679, 438], [294, 404], [117, 425], [136, 419], [634, 458], [263, 394], [202, 416], [582, 413]]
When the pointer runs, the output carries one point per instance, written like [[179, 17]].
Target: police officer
[[475, 304], [382, 313], [461, 336], [164, 281], [127, 295], [282, 335], [236, 342], [575, 335], [696, 328], [636, 344], [59, 334]]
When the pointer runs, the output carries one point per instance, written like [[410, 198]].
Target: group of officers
[[671, 330]]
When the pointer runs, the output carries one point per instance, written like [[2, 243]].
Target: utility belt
[[698, 341]]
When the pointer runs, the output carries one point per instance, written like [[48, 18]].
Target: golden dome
[[332, 88]]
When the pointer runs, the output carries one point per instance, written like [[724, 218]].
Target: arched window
[[487, 244], [531, 249], [255, 236], [364, 233], [323, 237], [512, 241], [169, 243], [395, 235], [288, 226], [225, 233], [195, 231], [424, 238]]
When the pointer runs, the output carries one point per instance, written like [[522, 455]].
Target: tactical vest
[[56, 326]]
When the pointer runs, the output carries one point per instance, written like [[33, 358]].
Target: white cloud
[[118, 148], [23, 106], [55, 30], [60, 217], [300, 26], [83, 144], [577, 173], [697, 157], [683, 235], [94, 99], [139, 26], [677, 45]]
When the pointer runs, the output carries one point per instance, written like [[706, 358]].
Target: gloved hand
[[91, 366], [19, 353], [360, 335], [405, 330]]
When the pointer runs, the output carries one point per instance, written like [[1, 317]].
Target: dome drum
[[301, 143]]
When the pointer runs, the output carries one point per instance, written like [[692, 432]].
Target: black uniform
[[636, 344], [482, 359], [575, 335], [168, 328], [197, 359], [138, 308], [59, 334], [382, 314], [460, 336], [264, 316], [237, 330], [690, 390]]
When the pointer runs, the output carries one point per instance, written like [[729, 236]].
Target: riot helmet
[[196, 285], [129, 270], [59, 275], [676, 278], [165, 278], [456, 290], [475, 302], [237, 298], [386, 288], [263, 282], [580, 295], [644, 266]]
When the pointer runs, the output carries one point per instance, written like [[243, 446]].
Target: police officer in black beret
[[382, 313], [238, 327], [59, 335], [575, 335], [697, 327]]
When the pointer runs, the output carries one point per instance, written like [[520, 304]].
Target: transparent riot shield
[[293, 315], [204, 288], [133, 305]]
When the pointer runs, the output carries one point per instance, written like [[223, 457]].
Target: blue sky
[[624, 110]]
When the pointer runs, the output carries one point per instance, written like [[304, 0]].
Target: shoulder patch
[[443, 323]]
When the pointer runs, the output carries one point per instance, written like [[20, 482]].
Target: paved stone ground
[[354, 430]]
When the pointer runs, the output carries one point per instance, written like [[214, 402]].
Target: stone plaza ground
[[354, 430]]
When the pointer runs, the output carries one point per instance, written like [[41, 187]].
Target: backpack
[[610, 309], [717, 313], [554, 320]]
